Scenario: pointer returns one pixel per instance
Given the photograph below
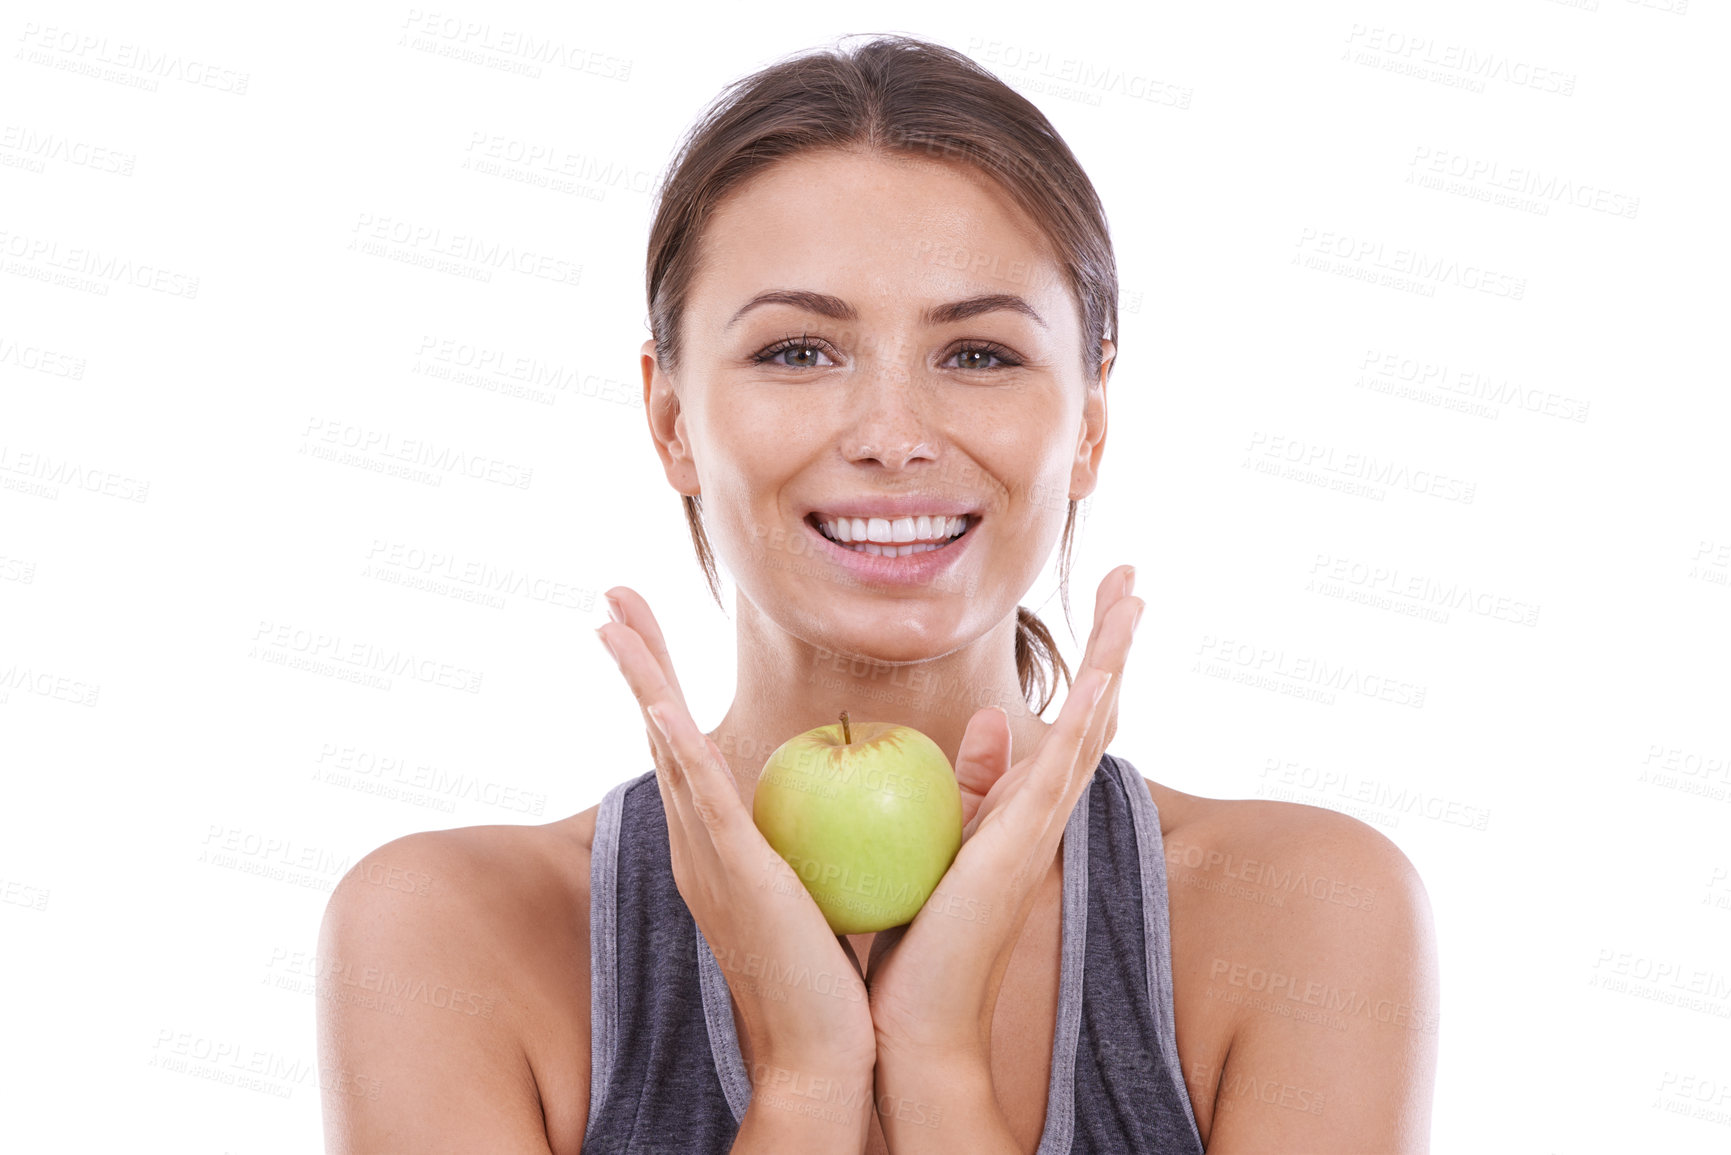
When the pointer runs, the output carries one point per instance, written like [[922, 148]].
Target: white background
[[181, 792]]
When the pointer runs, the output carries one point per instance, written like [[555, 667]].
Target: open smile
[[898, 551], [884, 537]]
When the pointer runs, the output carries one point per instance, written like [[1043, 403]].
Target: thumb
[[983, 758]]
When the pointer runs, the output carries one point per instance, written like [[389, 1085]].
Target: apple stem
[[846, 737]]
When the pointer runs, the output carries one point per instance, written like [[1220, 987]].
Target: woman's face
[[870, 400]]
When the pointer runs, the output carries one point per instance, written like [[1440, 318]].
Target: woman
[[883, 302]]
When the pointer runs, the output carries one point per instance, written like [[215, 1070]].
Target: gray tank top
[[666, 1072]]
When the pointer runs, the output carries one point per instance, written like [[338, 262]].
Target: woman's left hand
[[934, 982]]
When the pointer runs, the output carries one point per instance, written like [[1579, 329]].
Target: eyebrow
[[837, 309]]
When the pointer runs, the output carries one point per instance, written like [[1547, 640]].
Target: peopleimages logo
[[425, 244], [1387, 584], [1424, 57], [1273, 668], [93, 55], [1381, 370], [41, 255], [1091, 80], [1398, 799], [1280, 987], [1371, 255], [384, 445], [509, 49], [1353, 467], [1543, 188], [359, 657]]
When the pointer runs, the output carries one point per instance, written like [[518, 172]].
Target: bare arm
[[414, 1012], [1337, 996]]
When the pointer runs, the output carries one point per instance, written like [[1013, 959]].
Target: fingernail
[[613, 610], [655, 716], [613, 653], [1129, 581], [1137, 618]]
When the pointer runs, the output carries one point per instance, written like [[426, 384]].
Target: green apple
[[869, 816]]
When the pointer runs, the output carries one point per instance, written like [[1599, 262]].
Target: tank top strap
[[1130, 1088], [604, 948], [652, 1084]]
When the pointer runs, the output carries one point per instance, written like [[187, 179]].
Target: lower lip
[[913, 570]]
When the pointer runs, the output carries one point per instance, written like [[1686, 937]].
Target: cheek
[[735, 432], [1021, 452], [751, 421], [1019, 421], [749, 453]]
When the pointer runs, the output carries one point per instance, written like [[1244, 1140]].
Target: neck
[[785, 686]]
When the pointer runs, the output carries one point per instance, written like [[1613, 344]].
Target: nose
[[889, 421]]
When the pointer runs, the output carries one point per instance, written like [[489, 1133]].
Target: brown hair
[[903, 95]]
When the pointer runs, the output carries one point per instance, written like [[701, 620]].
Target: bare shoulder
[[1304, 953], [1281, 847], [455, 992]]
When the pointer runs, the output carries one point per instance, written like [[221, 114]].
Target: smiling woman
[[883, 305]]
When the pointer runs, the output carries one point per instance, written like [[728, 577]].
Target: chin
[[867, 627]]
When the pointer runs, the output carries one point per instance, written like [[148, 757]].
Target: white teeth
[[884, 537], [895, 550]]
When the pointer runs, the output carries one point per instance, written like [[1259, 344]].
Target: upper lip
[[890, 508]]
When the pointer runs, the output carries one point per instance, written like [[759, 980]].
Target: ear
[[667, 424], [1085, 472]]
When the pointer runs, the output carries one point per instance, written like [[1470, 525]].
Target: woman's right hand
[[798, 984]]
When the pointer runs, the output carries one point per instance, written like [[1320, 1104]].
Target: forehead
[[881, 230]]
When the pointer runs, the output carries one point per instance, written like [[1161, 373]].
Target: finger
[[632, 612], [1113, 588], [1002, 786], [638, 616], [713, 793], [1054, 779], [1022, 831], [612, 634], [1110, 643], [984, 754], [640, 679], [680, 767], [707, 817], [1116, 635], [1112, 639]]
